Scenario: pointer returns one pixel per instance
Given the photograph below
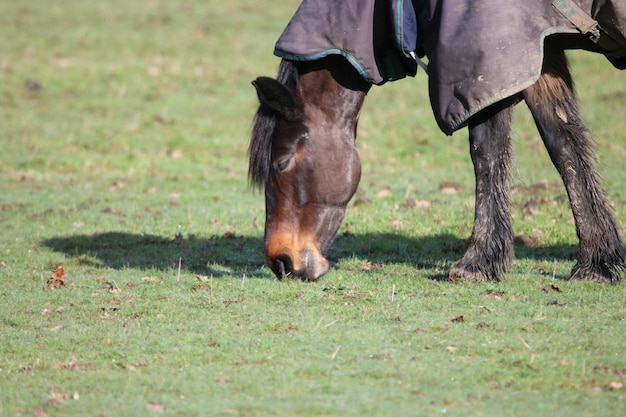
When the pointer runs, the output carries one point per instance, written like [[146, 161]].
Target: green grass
[[124, 129]]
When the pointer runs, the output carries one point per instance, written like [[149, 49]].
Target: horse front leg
[[554, 107], [491, 251]]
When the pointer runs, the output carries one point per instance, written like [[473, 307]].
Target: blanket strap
[[585, 24]]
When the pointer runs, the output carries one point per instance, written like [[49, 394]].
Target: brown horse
[[303, 154]]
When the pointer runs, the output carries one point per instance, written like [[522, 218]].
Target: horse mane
[[260, 149]]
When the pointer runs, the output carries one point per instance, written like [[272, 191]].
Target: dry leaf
[[115, 186], [57, 397], [361, 199], [458, 319], [417, 203], [523, 240], [451, 349], [57, 279], [450, 188], [112, 287], [615, 385], [58, 272], [221, 381], [155, 407], [38, 412], [78, 366], [396, 224]]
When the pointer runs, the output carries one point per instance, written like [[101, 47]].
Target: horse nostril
[[312, 267], [282, 266]]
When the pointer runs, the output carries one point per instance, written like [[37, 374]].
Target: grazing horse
[[303, 154]]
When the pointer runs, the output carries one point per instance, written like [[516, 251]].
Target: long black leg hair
[[554, 107], [491, 251]]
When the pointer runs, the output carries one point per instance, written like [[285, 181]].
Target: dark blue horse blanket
[[479, 51]]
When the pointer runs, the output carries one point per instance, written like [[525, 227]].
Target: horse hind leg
[[491, 249], [553, 105]]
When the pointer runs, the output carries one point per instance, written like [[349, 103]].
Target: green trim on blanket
[[324, 54]]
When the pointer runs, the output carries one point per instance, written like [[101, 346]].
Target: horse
[[302, 154]]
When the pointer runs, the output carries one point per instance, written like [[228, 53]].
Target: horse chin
[[314, 266]]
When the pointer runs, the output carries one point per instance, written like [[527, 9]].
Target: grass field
[[124, 127]]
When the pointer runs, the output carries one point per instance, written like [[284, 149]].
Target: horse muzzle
[[294, 250], [308, 266]]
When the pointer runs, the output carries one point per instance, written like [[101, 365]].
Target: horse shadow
[[218, 256], [238, 255], [437, 252]]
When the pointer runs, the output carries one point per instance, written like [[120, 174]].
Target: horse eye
[[284, 164]]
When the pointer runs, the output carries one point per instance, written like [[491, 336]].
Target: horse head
[[303, 154]]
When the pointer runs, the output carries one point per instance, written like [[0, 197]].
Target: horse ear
[[278, 98]]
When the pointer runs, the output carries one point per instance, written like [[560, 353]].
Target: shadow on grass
[[238, 255], [217, 256], [434, 252]]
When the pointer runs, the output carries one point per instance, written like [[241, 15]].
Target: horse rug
[[479, 52]]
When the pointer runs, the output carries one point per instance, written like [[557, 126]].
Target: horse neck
[[332, 86]]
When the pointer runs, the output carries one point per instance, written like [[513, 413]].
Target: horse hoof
[[588, 275], [457, 273]]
